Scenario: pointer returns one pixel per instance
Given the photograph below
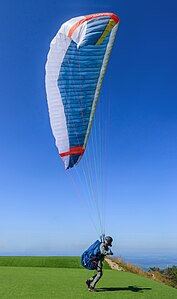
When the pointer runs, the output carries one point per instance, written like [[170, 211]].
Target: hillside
[[166, 276], [67, 283], [43, 261]]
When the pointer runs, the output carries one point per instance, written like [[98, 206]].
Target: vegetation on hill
[[167, 276]]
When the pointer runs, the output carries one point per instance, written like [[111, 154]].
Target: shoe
[[88, 283], [91, 289]]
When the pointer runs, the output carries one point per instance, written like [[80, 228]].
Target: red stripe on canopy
[[75, 150], [89, 17]]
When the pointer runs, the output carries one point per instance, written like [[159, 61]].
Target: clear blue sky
[[38, 207]]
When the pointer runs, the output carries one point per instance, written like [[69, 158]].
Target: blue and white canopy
[[75, 68]]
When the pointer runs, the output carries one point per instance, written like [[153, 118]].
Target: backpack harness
[[90, 257]]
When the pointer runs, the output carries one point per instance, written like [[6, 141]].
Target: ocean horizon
[[147, 262]]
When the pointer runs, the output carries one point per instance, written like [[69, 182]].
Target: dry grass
[[154, 275]]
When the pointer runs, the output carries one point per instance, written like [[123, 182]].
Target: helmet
[[109, 240]]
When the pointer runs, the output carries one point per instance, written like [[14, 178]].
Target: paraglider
[[97, 253], [75, 68]]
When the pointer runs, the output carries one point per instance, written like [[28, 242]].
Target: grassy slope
[[43, 261], [51, 283]]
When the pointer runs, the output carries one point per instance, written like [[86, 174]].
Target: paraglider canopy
[[75, 69]]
